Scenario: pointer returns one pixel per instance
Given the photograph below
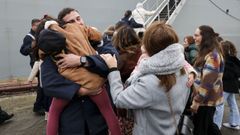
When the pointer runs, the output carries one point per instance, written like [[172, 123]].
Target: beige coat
[[77, 38]]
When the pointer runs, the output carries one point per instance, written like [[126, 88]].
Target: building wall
[[16, 15], [202, 12]]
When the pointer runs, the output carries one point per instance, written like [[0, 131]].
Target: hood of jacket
[[139, 5], [168, 61]]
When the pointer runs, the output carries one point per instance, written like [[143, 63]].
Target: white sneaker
[[231, 126], [46, 116]]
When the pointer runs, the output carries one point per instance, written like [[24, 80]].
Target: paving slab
[[25, 122]]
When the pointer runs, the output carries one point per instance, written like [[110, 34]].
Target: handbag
[[185, 125]]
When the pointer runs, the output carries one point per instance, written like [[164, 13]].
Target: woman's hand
[[68, 60], [190, 80], [49, 23], [194, 107], [86, 92], [110, 60], [30, 83]]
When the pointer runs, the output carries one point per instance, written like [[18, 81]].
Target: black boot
[[39, 112], [4, 116]]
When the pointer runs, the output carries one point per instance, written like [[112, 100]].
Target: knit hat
[[51, 41]]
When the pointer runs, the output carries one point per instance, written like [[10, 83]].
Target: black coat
[[231, 74], [129, 22], [26, 48]]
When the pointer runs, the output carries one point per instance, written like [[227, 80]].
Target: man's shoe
[[39, 112], [4, 117], [236, 127]]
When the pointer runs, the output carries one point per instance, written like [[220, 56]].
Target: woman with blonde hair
[[157, 92]]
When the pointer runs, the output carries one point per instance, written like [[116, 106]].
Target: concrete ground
[[25, 122]]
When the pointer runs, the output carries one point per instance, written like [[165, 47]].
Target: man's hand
[[33, 45], [68, 60], [110, 60]]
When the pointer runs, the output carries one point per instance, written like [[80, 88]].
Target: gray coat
[[149, 102]]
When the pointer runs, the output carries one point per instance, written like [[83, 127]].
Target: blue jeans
[[234, 118]]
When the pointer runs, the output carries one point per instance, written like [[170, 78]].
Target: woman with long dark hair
[[209, 86], [128, 46]]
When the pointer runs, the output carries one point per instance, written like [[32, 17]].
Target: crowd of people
[[127, 81]]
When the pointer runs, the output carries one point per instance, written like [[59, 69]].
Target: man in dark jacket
[[81, 116], [27, 47], [128, 21], [27, 50]]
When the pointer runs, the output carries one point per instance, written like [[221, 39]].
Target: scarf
[[168, 61]]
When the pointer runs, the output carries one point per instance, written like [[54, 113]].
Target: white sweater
[[139, 14], [36, 68]]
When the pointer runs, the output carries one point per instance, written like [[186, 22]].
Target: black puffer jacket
[[231, 74], [26, 48]]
